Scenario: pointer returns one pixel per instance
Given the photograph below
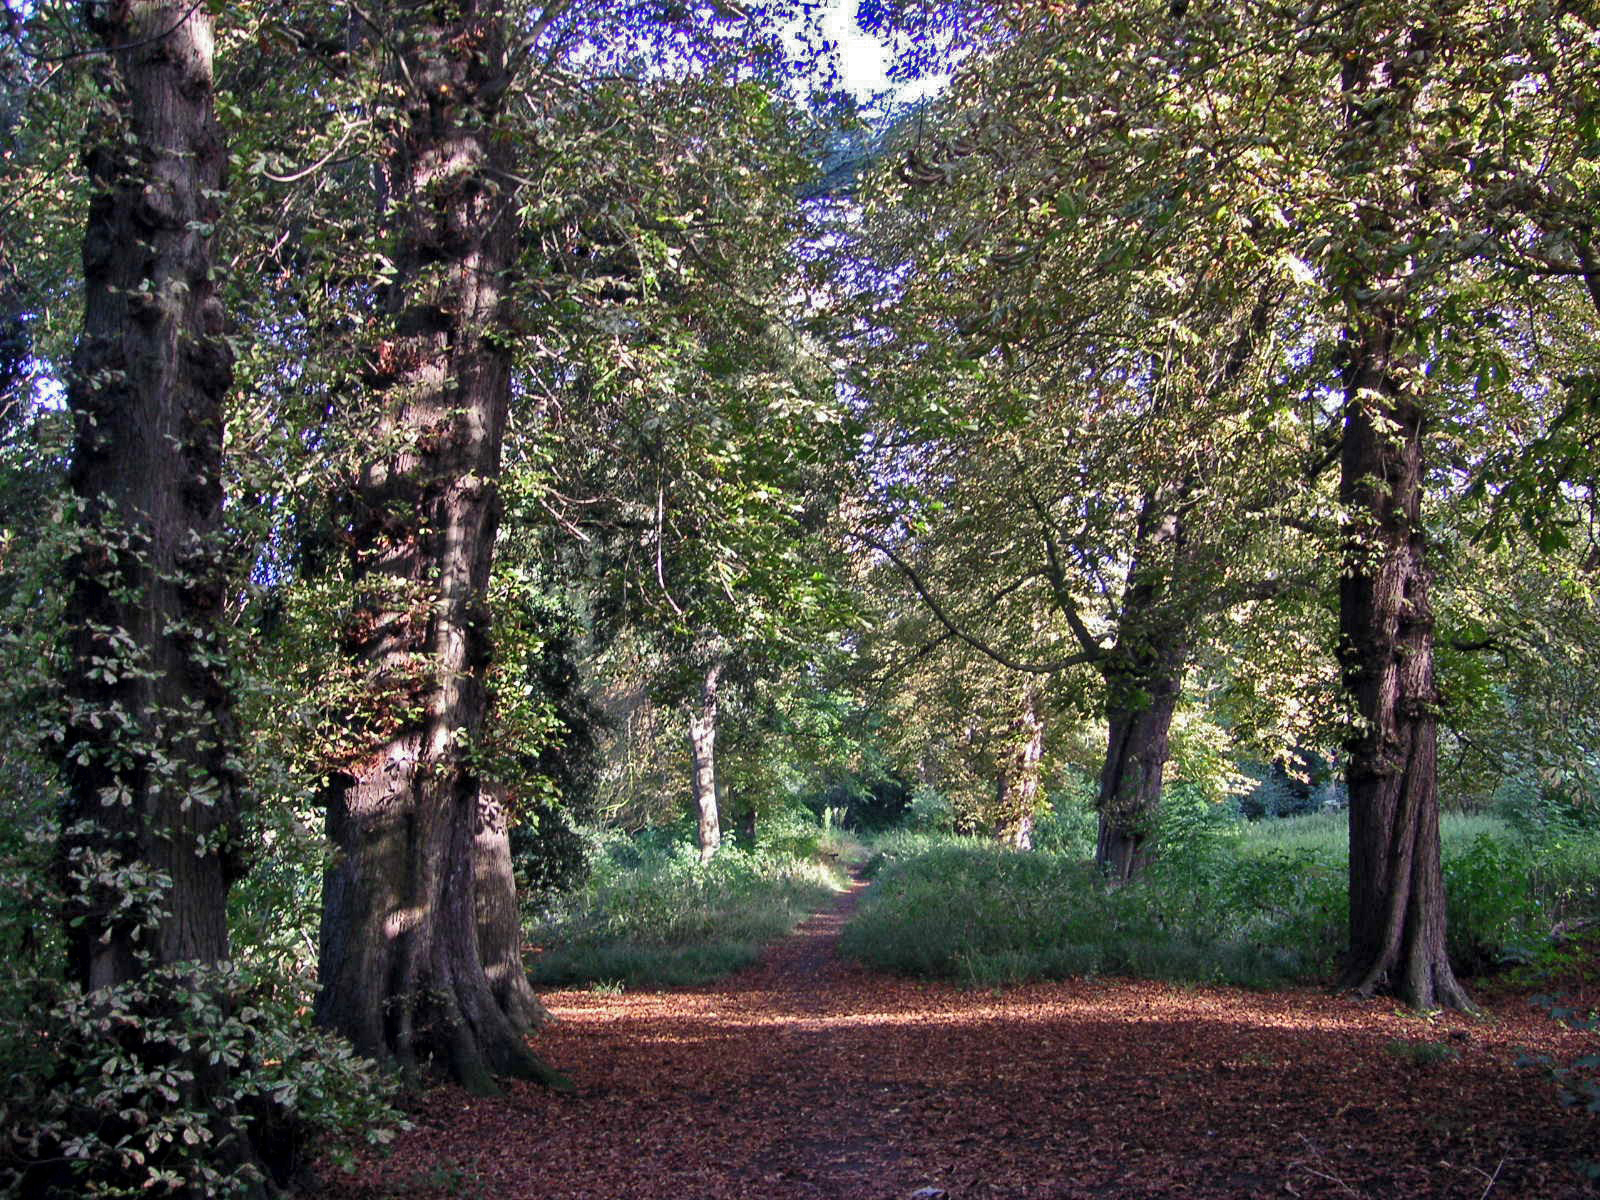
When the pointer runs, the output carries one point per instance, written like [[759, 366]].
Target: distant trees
[[1068, 405]]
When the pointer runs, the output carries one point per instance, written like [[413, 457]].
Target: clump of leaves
[[1421, 1054], [148, 1087]]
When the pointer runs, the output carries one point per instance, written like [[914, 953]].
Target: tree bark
[[149, 747], [1019, 778], [400, 970], [702, 744], [1144, 681], [498, 914], [150, 819], [1397, 900], [1138, 721]]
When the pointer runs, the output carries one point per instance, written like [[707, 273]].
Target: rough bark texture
[[400, 971], [499, 916], [1144, 680], [1138, 720], [148, 753], [1397, 901], [702, 743]]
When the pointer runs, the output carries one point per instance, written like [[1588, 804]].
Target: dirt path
[[807, 1077]]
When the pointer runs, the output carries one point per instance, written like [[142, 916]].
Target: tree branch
[[956, 631]]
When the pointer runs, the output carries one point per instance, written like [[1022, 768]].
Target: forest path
[[807, 1077]]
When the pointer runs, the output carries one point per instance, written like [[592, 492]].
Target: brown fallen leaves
[[808, 1077]]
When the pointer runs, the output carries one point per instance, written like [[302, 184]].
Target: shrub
[[1250, 903], [146, 1088], [986, 915], [1494, 915], [548, 852], [1070, 825], [930, 811]]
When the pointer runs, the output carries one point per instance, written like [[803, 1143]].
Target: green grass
[[1252, 904], [985, 916], [1328, 833], [655, 916]]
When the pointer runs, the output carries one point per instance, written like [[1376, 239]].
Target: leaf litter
[[808, 1077]]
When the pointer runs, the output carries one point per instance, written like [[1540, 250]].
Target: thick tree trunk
[[1138, 721], [149, 745], [499, 916], [1397, 901], [702, 744], [151, 812], [1019, 779], [1144, 681], [400, 971]]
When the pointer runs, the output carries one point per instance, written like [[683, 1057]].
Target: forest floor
[[810, 1078]]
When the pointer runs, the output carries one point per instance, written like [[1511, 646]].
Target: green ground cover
[[1250, 903], [651, 914]]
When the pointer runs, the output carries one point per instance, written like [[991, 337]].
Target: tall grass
[[985, 915], [1252, 904], [651, 914]]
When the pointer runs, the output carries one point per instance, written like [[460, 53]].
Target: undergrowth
[[651, 914], [1257, 905]]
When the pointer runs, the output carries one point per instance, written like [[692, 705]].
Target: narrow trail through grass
[[809, 1077]]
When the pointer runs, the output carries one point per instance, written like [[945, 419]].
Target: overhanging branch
[[956, 631]]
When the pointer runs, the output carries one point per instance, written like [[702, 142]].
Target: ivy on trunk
[[400, 968]]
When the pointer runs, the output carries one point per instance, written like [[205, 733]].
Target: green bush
[[930, 811], [1494, 914], [1070, 825], [147, 1088], [791, 830], [985, 915]]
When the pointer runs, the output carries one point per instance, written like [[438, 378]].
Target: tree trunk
[[499, 915], [150, 817], [400, 971], [1019, 778], [1397, 901], [149, 748], [702, 744], [1144, 681], [1138, 720]]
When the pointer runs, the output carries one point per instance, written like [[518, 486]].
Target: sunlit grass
[[660, 917], [1257, 904]]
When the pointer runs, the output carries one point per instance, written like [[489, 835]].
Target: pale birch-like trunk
[[703, 745]]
